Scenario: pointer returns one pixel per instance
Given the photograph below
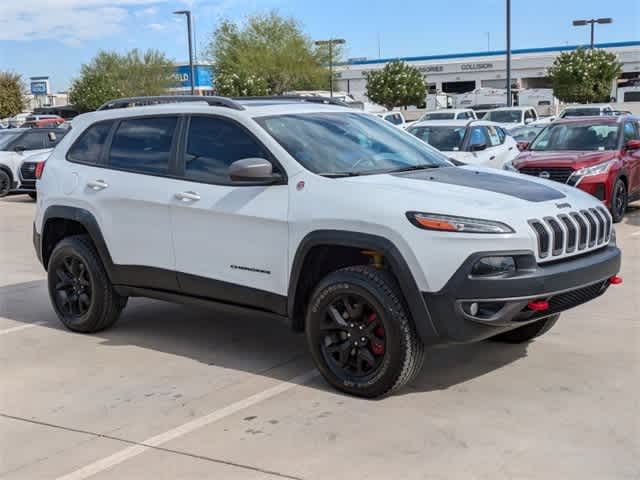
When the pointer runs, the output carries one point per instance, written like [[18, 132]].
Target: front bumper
[[503, 301]]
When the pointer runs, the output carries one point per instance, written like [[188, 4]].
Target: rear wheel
[[528, 332], [80, 290], [5, 183], [618, 201], [359, 333]]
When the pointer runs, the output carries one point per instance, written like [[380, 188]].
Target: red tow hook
[[615, 280], [538, 305]]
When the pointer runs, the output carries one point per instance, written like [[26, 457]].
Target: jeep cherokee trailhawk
[[363, 236]]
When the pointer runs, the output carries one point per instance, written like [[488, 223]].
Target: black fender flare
[[415, 301], [90, 224]]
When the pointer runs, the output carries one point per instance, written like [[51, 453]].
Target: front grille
[[28, 171], [571, 233], [558, 174]]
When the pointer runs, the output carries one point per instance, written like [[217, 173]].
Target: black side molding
[[421, 316]]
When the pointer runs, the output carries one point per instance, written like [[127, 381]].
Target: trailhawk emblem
[[545, 175]]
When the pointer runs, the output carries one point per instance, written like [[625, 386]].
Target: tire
[[528, 332], [618, 201], [374, 310], [5, 183], [79, 288], [33, 195]]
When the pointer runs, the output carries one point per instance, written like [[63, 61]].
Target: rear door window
[[479, 136], [143, 145], [32, 140]]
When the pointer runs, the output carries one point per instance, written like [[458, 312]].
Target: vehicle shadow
[[632, 216], [250, 342], [17, 198]]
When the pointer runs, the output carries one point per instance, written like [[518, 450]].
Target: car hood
[[572, 159]]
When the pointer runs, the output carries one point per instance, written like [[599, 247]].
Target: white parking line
[[135, 450], [21, 327]]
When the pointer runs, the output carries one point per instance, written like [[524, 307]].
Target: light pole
[[509, 99], [592, 22], [331, 42], [187, 13]]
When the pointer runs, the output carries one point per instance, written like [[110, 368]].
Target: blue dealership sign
[[203, 76], [39, 87]]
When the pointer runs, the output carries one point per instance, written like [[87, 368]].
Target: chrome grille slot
[[593, 228], [572, 232], [582, 230], [558, 235], [543, 237], [601, 224], [607, 222]]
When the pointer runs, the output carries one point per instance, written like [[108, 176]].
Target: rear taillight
[[39, 169]]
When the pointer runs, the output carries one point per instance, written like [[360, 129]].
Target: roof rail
[[128, 102], [297, 98]]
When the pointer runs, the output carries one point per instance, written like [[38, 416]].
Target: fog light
[[489, 266], [473, 309]]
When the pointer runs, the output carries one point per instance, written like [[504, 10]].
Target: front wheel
[[528, 332], [360, 335], [618, 201], [5, 183]]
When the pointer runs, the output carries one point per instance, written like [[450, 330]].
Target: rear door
[[122, 169], [631, 158], [231, 239]]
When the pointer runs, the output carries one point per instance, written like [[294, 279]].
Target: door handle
[[188, 196], [97, 184], [510, 148], [492, 158]]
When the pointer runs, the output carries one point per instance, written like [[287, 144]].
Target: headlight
[[450, 223], [509, 167], [489, 266], [595, 169]]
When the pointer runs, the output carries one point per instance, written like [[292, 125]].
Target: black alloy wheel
[[353, 342], [618, 201], [73, 292]]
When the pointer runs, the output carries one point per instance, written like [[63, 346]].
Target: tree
[[269, 54], [12, 94], [396, 85], [584, 75], [112, 75]]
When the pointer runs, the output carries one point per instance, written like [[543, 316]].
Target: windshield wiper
[[338, 174], [411, 168]]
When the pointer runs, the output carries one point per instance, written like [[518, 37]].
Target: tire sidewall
[[86, 322], [346, 283], [4, 175], [617, 216]]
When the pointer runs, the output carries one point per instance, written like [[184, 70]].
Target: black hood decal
[[516, 187]]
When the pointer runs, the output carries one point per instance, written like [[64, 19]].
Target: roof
[[493, 53], [596, 119], [454, 123], [514, 109], [449, 110], [588, 105]]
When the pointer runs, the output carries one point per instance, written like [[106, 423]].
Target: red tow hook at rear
[[615, 280], [538, 305]]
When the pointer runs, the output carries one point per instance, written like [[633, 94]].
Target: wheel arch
[[299, 290], [63, 221]]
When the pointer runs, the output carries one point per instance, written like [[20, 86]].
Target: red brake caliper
[[377, 347]]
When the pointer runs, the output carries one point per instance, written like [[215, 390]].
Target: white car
[[588, 110], [450, 114], [475, 142], [359, 234], [15, 146], [511, 117], [394, 118]]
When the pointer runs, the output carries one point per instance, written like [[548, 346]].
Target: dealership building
[[465, 72]]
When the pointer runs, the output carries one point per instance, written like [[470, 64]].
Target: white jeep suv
[[363, 236]]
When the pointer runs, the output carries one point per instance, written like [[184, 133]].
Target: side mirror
[[632, 145], [252, 170], [19, 148], [523, 146], [527, 121], [477, 147], [52, 136]]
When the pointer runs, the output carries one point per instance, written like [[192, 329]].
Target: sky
[[54, 37]]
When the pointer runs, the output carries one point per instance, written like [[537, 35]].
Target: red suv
[[600, 155]]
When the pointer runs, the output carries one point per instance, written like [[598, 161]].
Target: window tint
[[143, 144], [630, 132], [502, 135], [213, 144], [494, 138], [88, 148], [479, 136], [32, 141]]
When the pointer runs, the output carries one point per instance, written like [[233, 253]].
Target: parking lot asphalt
[[181, 392]]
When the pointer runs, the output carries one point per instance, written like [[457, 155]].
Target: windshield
[[438, 116], [6, 138], [577, 136], [525, 134], [354, 143], [504, 116], [447, 139], [580, 112]]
